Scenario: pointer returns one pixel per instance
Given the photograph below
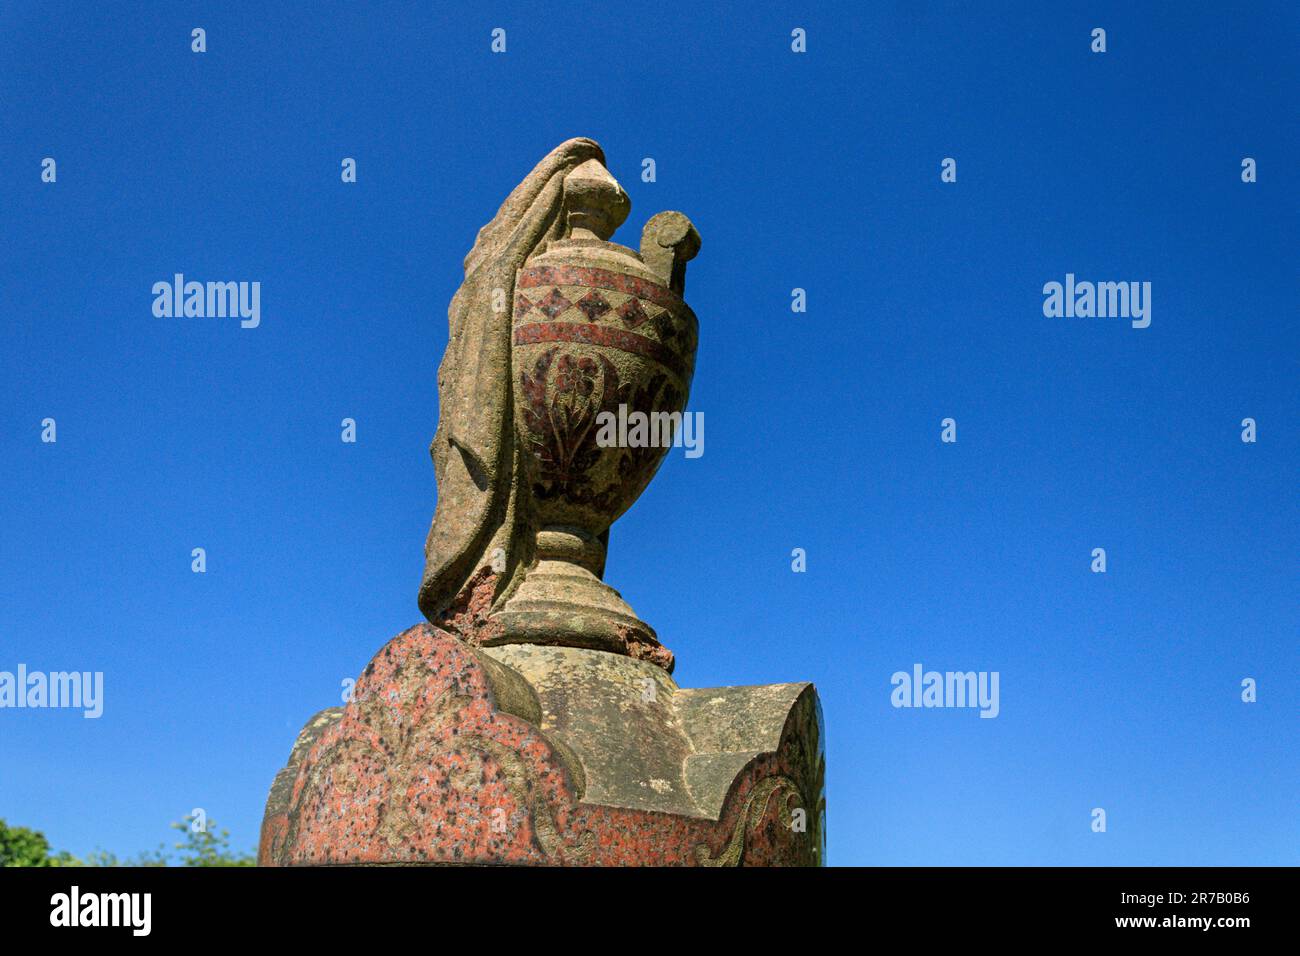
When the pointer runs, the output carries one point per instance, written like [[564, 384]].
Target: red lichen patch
[[468, 615], [638, 648]]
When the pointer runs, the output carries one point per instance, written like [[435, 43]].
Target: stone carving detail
[[754, 809], [523, 485], [562, 424], [562, 398]]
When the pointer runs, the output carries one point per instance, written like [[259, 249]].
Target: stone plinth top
[[535, 755]]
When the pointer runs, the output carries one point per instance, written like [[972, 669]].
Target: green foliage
[[20, 846], [145, 858], [203, 845]]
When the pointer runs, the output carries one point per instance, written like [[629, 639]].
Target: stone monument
[[533, 718]]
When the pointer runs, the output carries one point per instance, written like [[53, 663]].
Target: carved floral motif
[[563, 396]]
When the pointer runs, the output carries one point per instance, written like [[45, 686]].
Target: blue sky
[[819, 171]]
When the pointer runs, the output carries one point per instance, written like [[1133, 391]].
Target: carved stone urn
[[601, 338], [533, 718]]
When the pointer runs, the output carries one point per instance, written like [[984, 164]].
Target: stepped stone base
[[531, 755]]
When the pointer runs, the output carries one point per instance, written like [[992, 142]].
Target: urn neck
[[560, 543]]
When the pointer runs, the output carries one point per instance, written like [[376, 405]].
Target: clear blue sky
[[821, 171]]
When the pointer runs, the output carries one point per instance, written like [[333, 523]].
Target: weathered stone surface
[[524, 486], [474, 451], [277, 803], [548, 756]]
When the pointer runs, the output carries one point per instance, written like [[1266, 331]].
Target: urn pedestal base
[[562, 603], [535, 755]]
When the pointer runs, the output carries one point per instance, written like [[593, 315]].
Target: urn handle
[[668, 242]]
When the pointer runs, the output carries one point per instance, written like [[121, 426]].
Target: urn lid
[[594, 203]]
